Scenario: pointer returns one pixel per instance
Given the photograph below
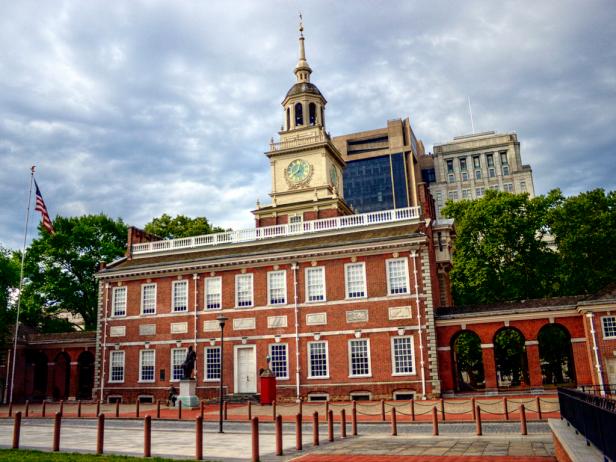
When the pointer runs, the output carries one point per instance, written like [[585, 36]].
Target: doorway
[[245, 370]]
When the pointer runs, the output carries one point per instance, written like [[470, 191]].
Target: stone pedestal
[[187, 394]]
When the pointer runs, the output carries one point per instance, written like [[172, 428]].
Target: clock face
[[333, 175], [298, 171]]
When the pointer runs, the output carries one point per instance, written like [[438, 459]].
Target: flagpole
[[21, 283]]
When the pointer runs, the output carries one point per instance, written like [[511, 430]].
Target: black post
[[221, 321]]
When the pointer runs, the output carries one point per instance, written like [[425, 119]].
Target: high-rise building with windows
[[467, 166], [381, 167]]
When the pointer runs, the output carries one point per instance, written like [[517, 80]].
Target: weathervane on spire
[[301, 25]]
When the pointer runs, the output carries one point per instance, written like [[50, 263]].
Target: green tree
[[167, 227], [9, 281], [469, 361], [59, 269], [499, 250], [584, 227]]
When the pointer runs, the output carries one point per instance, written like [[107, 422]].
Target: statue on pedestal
[[189, 363]]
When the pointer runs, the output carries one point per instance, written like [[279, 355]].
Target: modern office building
[[467, 166], [381, 167]]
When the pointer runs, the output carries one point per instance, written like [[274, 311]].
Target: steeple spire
[[302, 70]]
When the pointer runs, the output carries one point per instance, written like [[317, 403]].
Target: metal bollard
[[137, 409], [98, 408], [315, 429], [473, 408], [62, 407], [249, 410], [199, 438], [506, 408], [158, 409], [117, 409], [255, 439], [298, 432], [79, 408], [394, 424], [442, 409], [16, 430], [478, 421], [56, 432], [274, 410], [413, 410], [179, 410], [100, 434], [278, 435], [523, 429], [342, 423], [539, 413], [44, 409], [383, 410], [354, 421], [434, 422], [147, 436], [330, 426], [27, 410]]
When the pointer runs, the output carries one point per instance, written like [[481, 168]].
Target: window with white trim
[[315, 284], [243, 290], [116, 370], [147, 360], [508, 187], [317, 360], [148, 299], [277, 287], [403, 355], [279, 360], [213, 293], [180, 295], [212, 363], [359, 357], [118, 301], [177, 358], [397, 276], [609, 326], [355, 280]]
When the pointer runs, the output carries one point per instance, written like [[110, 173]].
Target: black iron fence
[[592, 416], [607, 390]]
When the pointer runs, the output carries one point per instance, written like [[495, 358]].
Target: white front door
[[246, 369]]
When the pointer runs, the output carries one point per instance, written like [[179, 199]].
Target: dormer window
[[299, 115], [312, 113]]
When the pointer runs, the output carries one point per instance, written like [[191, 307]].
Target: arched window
[[322, 117], [510, 358], [468, 361], [288, 119], [312, 113], [555, 355], [299, 115]]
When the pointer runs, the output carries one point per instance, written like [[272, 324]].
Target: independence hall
[[341, 305]]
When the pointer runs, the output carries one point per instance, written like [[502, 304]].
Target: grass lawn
[[19, 455]]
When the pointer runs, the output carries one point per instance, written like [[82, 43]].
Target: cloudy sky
[[138, 108]]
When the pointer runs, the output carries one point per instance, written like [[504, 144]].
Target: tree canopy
[[9, 280], [59, 269], [502, 250], [167, 227]]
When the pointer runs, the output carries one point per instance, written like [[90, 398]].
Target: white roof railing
[[277, 231]]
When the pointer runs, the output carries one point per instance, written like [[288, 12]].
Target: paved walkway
[[176, 439]]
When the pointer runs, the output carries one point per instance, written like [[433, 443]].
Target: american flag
[[41, 207]]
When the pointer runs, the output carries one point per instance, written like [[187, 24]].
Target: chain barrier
[[365, 413], [459, 413], [490, 412], [488, 403], [430, 404]]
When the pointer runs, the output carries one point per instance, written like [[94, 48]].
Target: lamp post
[[221, 322]]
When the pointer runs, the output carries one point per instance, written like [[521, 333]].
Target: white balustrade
[[270, 232]]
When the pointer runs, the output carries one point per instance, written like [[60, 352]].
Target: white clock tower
[[306, 167]]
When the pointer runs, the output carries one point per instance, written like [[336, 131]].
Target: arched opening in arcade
[[36, 375], [467, 361], [556, 355], [61, 376], [510, 358], [85, 364]]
